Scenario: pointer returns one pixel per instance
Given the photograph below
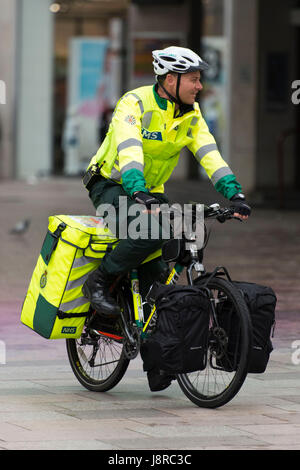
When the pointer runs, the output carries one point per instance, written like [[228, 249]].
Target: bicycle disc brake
[[132, 342], [131, 337], [219, 342]]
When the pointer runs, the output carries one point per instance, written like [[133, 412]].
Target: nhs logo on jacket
[[156, 135]]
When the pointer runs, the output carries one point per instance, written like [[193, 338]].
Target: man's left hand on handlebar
[[241, 209]]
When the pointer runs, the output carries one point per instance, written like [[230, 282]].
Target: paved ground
[[42, 406]]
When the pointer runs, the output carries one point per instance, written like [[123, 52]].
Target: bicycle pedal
[[107, 327]]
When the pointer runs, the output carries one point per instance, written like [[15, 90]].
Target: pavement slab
[[44, 407]]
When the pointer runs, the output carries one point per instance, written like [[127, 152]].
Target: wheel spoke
[[98, 361]]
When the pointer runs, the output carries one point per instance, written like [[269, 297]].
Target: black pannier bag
[[261, 302], [179, 342]]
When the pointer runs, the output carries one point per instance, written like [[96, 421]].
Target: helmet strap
[[171, 97], [182, 107], [174, 99], [177, 89]]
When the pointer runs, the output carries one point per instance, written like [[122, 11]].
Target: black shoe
[[96, 290], [107, 326], [159, 380]]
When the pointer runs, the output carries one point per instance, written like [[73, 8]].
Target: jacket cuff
[[228, 186]]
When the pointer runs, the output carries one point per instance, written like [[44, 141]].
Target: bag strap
[[62, 315], [55, 235]]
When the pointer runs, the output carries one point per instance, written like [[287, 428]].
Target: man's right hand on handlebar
[[241, 209]]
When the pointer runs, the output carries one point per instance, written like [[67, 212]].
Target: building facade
[[253, 47]]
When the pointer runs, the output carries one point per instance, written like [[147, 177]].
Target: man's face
[[190, 85]]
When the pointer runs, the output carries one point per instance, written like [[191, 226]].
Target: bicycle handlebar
[[220, 213], [214, 211]]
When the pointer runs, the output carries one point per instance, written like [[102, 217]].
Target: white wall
[[34, 69], [7, 76]]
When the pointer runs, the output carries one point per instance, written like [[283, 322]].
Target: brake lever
[[226, 215], [221, 218]]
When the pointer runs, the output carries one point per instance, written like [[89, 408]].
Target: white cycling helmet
[[178, 60]]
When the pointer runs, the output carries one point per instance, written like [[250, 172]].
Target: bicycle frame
[[137, 299], [144, 327], [172, 279]]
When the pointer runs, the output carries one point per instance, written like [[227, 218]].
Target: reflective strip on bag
[[73, 304], [84, 261], [77, 282]]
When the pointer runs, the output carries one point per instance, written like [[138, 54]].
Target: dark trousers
[[130, 252]]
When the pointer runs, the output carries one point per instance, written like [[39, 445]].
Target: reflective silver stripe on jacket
[[132, 166], [115, 174], [146, 120], [129, 143], [220, 173], [139, 101], [205, 149]]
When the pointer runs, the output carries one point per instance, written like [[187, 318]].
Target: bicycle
[[100, 357]]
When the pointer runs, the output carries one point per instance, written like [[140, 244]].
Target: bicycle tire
[[214, 386], [105, 375]]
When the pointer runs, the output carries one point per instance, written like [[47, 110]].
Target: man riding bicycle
[[150, 126]]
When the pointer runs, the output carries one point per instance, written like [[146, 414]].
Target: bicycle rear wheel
[[226, 363], [98, 359]]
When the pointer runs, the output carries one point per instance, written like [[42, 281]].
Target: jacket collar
[[163, 103]]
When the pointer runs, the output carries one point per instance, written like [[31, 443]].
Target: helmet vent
[[180, 67], [189, 59], [168, 59]]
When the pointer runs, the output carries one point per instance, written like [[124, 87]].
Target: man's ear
[[170, 79]]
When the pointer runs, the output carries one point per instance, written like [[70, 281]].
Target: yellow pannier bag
[[54, 306]]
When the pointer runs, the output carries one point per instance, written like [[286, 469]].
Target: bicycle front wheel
[[228, 349], [98, 360]]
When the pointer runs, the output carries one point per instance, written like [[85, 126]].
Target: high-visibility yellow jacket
[[144, 140]]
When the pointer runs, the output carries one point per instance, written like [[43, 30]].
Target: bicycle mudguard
[[206, 277]]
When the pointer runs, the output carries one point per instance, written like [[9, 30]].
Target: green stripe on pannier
[[44, 317]]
